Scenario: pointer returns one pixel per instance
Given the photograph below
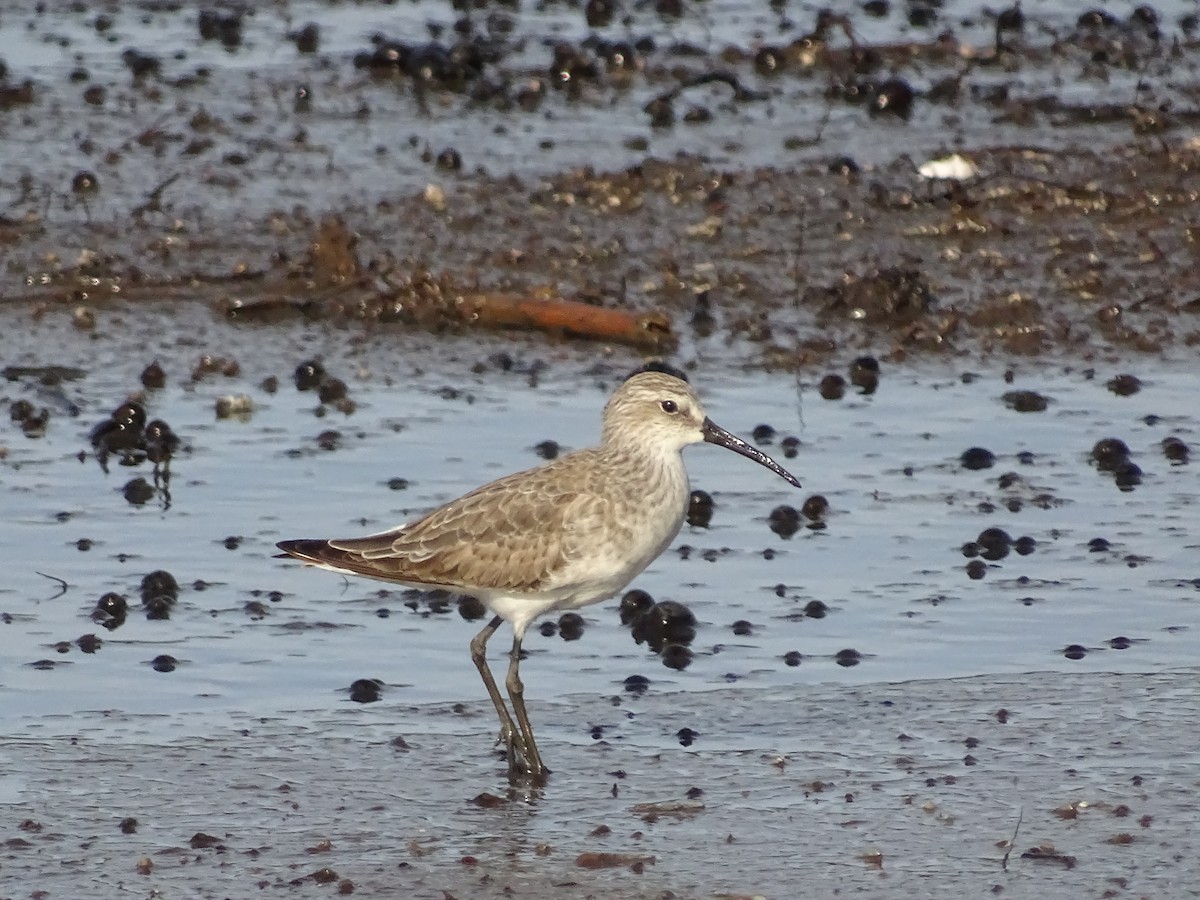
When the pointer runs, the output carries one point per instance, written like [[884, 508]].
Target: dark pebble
[[637, 684], [397, 484], [790, 446], [548, 628], [138, 492], [599, 13], [742, 627], [331, 390], [1075, 651], [1120, 643], [1099, 545], [161, 442], [164, 663], [832, 387], [815, 508], [677, 656], [307, 39], [1025, 401], [471, 608], [84, 182], [634, 604], [687, 736], [487, 801], [1024, 545], [160, 582], [153, 377], [1127, 475], [976, 569], [1124, 385], [700, 509], [232, 542], [970, 549], [763, 434], [921, 16], [893, 97], [449, 160], [976, 458], [665, 623], [769, 60], [20, 410], [128, 825], [110, 611], [994, 543], [547, 449], [83, 544], [816, 609], [89, 643], [1175, 449], [1108, 452], [308, 375], [784, 520], [570, 626], [844, 167], [847, 658], [157, 608], [366, 690], [864, 374], [792, 658]]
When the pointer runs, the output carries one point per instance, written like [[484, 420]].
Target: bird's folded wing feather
[[512, 534]]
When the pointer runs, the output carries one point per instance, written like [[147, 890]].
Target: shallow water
[[888, 564]]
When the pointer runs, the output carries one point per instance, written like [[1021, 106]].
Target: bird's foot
[[524, 765]]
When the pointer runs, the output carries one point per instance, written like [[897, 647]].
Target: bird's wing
[[512, 534]]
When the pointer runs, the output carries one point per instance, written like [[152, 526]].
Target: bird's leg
[[516, 693], [508, 731]]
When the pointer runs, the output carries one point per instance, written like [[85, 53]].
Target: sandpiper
[[566, 534]]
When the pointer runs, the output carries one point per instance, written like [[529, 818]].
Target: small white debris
[[435, 196], [948, 168]]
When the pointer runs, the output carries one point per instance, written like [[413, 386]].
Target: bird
[[566, 534]]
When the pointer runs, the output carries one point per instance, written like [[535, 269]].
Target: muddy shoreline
[[200, 176]]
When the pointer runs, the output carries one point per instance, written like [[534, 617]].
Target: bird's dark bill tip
[[715, 434]]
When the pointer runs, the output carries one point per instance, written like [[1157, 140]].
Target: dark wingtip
[[306, 548]]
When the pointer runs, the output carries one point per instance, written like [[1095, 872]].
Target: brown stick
[[571, 317]]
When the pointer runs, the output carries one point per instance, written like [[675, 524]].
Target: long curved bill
[[715, 434]]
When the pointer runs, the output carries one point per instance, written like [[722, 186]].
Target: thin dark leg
[[508, 730], [516, 693]]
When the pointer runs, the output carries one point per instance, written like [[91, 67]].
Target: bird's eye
[[669, 406]]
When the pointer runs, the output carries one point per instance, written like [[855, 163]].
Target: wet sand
[[386, 177], [884, 792]]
